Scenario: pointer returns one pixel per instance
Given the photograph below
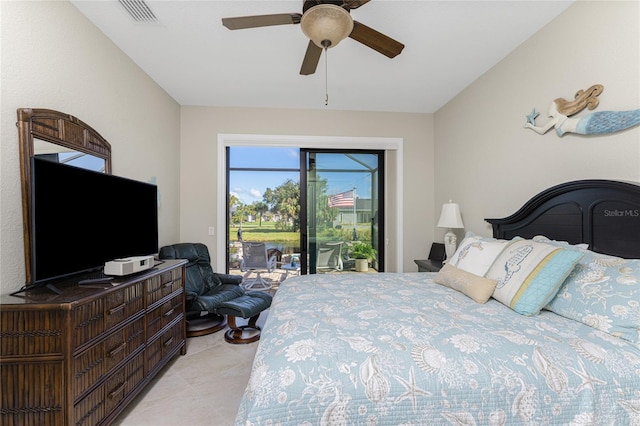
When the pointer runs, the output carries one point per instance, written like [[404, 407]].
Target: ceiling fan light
[[326, 22]]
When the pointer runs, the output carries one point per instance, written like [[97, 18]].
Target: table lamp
[[450, 218]]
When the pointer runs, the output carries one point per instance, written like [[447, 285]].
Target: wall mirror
[[72, 157], [57, 137]]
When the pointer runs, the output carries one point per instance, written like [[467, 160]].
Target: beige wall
[[491, 165], [201, 127], [53, 57]]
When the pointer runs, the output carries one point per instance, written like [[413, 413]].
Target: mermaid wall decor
[[598, 123]]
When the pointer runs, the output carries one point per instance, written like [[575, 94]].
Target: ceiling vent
[[139, 11]]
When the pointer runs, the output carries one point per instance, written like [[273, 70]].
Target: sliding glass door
[[318, 211], [342, 209]]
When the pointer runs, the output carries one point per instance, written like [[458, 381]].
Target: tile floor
[[203, 387]]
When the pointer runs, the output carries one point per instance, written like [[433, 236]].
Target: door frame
[[315, 142]]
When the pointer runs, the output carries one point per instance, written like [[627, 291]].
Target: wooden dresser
[[80, 357]]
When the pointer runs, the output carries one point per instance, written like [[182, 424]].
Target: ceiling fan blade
[[311, 59], [376, 40], [242, 22], [354, 4]]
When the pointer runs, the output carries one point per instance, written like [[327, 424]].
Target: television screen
[[81, 219]]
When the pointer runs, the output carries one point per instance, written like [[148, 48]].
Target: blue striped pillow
[[530, 273]]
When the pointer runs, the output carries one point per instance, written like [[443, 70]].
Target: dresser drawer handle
[[117, 390], [169, 284], [116, 309], [169, 313], [168, 342], [120, 347]]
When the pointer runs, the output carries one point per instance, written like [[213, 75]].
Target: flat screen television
[[81, 219]]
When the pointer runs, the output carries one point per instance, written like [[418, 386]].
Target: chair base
[[257, 284], [235, 333], [205, 324]]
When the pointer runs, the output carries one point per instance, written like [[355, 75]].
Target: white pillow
[[476, 254]]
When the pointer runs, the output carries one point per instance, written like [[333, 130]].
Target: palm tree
[[260, 208]]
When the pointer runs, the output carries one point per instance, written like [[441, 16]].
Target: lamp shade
[[326, 23], [450, 216]]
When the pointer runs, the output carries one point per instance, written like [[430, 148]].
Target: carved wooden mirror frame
[[41, 127]]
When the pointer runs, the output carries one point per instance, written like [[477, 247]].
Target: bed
[[461, 346]]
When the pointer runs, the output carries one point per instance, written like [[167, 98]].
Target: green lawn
[[252, 231], [267, 232]]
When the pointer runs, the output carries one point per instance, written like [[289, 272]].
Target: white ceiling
[[448, 45]]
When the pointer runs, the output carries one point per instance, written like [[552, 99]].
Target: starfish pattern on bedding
[[411, 390], [588, 382]]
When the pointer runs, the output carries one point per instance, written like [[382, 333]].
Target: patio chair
[[329, 256], [255, 258]]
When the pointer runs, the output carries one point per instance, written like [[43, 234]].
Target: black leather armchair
[[205, 290]]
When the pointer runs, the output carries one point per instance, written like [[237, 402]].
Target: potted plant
[[234, 256], [363, 253]]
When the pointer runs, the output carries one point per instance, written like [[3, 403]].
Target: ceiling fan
[[325, 23]]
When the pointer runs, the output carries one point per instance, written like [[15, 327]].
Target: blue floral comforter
[[397, 349]]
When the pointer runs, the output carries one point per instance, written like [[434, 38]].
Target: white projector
[[129, 265]]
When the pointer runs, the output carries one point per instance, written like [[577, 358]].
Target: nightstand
[[428, 265]]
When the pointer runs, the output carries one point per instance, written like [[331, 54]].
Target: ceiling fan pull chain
[[326, 79]]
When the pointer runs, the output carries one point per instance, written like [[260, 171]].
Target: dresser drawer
[[94, 363], [123, 343], [41, 408], [161, 316], [163, 285], [121, 305], [88, 321], [31, 333], [164, 345], [98, 316], [93, 408], [124, 381]]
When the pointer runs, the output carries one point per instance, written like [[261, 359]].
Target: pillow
[[476, 254], [478, 288], [530, 273], [604, 293]]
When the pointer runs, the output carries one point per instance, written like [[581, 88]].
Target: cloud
[[247, 196]]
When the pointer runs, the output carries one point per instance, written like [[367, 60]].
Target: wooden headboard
[[602, 213]]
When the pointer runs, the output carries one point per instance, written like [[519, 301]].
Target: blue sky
[[250, 186]]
